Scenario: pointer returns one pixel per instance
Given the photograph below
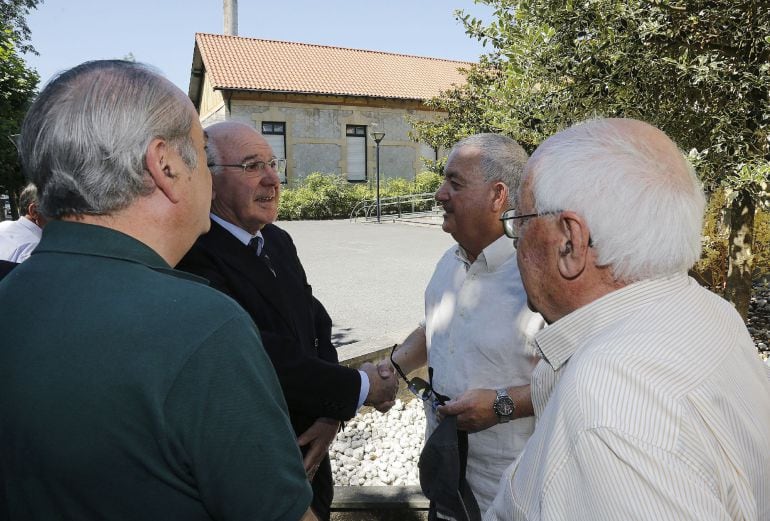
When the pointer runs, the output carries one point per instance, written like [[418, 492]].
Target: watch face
[[504, 406]]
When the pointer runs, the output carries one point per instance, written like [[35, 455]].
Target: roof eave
[[197, 73], [316, 93]]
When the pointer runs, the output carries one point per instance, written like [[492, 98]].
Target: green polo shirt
[[129, 390]]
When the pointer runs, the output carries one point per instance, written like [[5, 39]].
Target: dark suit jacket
[[6, 267], [295, 327]]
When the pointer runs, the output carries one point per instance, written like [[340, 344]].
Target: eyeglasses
[[255, 168], [419, 387], [512, 221]]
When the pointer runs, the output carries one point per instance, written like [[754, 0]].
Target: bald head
[[247, 190], [220, 135], [634, 187]]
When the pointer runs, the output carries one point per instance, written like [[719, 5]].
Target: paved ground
[[371, 277]]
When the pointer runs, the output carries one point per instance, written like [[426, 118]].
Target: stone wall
[[316, 135]]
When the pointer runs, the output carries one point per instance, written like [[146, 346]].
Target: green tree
[[469, 108], [698, 69], [13, 20], [18, 85]]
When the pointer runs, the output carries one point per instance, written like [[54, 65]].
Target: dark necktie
[[262, 255]]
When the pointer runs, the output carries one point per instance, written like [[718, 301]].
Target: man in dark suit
[[255, 262]]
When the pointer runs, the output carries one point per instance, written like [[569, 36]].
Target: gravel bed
[[383, 449], [380, 449]]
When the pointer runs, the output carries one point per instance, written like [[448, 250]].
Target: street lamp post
[[377, 138]]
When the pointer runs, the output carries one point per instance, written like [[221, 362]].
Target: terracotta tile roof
[[238, 63]]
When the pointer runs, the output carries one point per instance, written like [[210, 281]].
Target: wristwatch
[[503, 406]]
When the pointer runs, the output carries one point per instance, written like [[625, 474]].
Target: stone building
[[318, 106]]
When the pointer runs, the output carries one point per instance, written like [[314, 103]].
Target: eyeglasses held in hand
[[419, 387], [255, 168]]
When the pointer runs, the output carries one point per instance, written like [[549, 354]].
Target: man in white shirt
[[18, 238], [477, 329], [651, 401]]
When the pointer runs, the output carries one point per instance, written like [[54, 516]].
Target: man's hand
[[319, 436], [385, 368], [383, 385], [473, 409]]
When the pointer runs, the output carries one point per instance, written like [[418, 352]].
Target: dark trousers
[[323, 490]]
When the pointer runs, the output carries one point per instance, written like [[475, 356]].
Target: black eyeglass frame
[[417, 386], [507, 219], [510, 233]]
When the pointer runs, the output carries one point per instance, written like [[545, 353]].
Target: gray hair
[[213, 156], [501, 159], [27, 197], [638, 194], [84, 140]]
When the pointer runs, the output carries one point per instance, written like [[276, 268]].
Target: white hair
[[636, 191]]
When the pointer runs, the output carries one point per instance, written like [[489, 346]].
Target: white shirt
[[18, 239], [478, 334], [239, 233], [660, 411], [245, 237]]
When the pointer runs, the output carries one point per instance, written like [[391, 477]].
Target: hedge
[[331, 196]]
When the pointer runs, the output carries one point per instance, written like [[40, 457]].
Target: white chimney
[[231, 17]]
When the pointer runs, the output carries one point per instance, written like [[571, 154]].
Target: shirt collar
[[559, 341], [90, 239], [239, 233], [34, 228], [492, 257]]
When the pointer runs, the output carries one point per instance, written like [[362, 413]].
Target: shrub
[[427, 182], [396, 186], [712, 266], [762, 244], [318, 196], [331, 196]]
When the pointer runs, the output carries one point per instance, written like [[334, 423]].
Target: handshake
[[383, 385]]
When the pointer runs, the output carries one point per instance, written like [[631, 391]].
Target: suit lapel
[[248, 268]]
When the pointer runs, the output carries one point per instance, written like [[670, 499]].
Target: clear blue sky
[[162, 32]]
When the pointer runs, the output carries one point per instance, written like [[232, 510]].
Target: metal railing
[[397, 207]]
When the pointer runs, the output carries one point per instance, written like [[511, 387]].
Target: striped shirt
[[651, 403]]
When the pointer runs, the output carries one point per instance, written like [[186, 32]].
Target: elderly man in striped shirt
[[650, 399]]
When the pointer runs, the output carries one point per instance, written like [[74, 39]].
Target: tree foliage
[[18, 85], [698, 69], [13, 19]]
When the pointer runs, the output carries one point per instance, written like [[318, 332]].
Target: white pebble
[[378, 449]]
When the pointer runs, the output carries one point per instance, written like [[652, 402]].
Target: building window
[[275, 134], [356, 142]]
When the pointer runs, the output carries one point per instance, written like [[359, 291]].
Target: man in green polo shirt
[[129, 390]]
